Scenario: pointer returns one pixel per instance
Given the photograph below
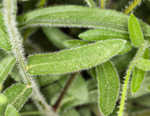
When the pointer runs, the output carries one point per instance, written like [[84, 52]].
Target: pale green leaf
[[137, 78], [126, 48], [78, 16], [17, 95], [6, 66], [11, 111], [3, 99], [74, 59], [103, 34], [143, 64], [135, 31], [138, 75], [108, 87]]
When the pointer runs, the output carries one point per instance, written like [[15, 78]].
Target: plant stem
[[139, 54], [134, 4], [102, 3], [65, 89], [91, 3], [10, 9]]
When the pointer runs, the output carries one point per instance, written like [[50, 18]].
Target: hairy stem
[[10, 9], [65, 89], [134, 4], [91, 3], [139, 54]]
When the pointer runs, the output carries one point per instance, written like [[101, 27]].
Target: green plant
[[86, 77]]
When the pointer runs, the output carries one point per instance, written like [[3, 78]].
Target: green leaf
[[11, 111], [138, 75], [74, 43], [108, 87], [143, 64], [126, 48], [3, 99], [78, 16], [17, 95], [4, 38], [136, 34], [137, 78], [75, 59], [103, 34], [6, 66]]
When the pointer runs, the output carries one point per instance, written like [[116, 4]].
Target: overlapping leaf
[[75, 59], [78, 16], [17, 95], [136, 34], [108, 87], [11, 111]]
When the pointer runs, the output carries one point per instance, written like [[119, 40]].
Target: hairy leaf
[[137, 78], [136, 34], [103, 34], [6, 66], [75, 59], [17, 95], [138, 75], [11, 111], [108, 87], [78, 16]]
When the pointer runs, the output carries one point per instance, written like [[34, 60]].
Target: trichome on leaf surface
[[74, 58]]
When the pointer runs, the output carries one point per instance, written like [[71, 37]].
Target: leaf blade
[[136, 34], [108, 87], [11, 111], [73, 60], [78, 16], [6, 66]]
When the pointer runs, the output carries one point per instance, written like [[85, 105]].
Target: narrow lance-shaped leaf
[[78, 16], [103, 34], [74, 59], [108, 87], [77, 43], [138, 75], [137, 78], [17, 95], [136, 34], [11, 111], [143, 64], [6, 66]]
